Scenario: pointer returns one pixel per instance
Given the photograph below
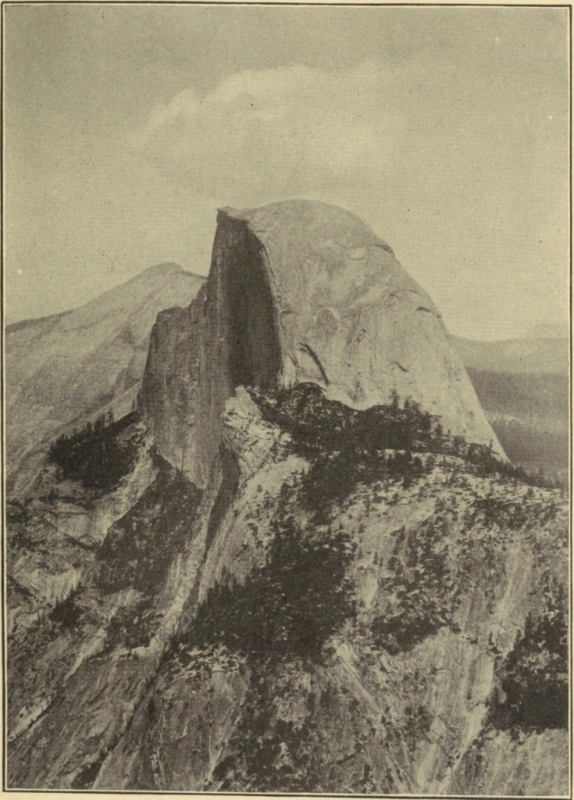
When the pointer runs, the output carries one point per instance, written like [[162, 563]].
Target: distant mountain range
[[523, 386], [531, 356]]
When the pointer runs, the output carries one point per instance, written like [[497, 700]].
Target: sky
[[444, 128]]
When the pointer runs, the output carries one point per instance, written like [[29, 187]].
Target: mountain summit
[[304, 291]]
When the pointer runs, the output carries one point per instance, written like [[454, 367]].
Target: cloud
[[278, 132]]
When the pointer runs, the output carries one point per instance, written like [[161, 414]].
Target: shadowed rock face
[[241, 334], [302, 291], [254, 357]]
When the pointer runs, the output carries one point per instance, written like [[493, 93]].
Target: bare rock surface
[[170, 388], [303, 291]]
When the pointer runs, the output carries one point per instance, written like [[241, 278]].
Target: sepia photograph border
[[25, 793]]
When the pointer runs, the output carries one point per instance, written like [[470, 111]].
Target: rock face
[[297, 582], [245, 702], [303, 291], [170, 386], [69, 367]]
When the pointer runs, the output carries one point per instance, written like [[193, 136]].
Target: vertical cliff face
[[169, 393], [241, 334], [302, 291]]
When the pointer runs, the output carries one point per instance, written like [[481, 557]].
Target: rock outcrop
[[65, 369], [303, 291], [169, 394]]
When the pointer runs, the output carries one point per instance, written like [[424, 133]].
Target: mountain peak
[[165, 268], [64, 367], [301, 291], [354, 564], [308, 217]]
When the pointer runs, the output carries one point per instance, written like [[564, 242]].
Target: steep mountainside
[[71, 366], [286, 571], [337, 618]]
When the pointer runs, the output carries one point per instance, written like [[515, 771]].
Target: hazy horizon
[[444, 129]]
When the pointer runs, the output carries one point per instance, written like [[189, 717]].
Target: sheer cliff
[[303, 291], [170, 387], [313, 572]]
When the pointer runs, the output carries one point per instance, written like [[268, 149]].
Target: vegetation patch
[[338, 437], [333, 476], [327, 745], [417, 724], [132, 626], [269, 754], [512, 514], [28, 522], [99, 455], [139, 547], [67, 612], [197, 664], [534, 675], [319, 425], [421, 594], [86, 776], [289, 607]]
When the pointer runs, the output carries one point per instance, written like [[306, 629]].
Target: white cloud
[[279, 132]]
